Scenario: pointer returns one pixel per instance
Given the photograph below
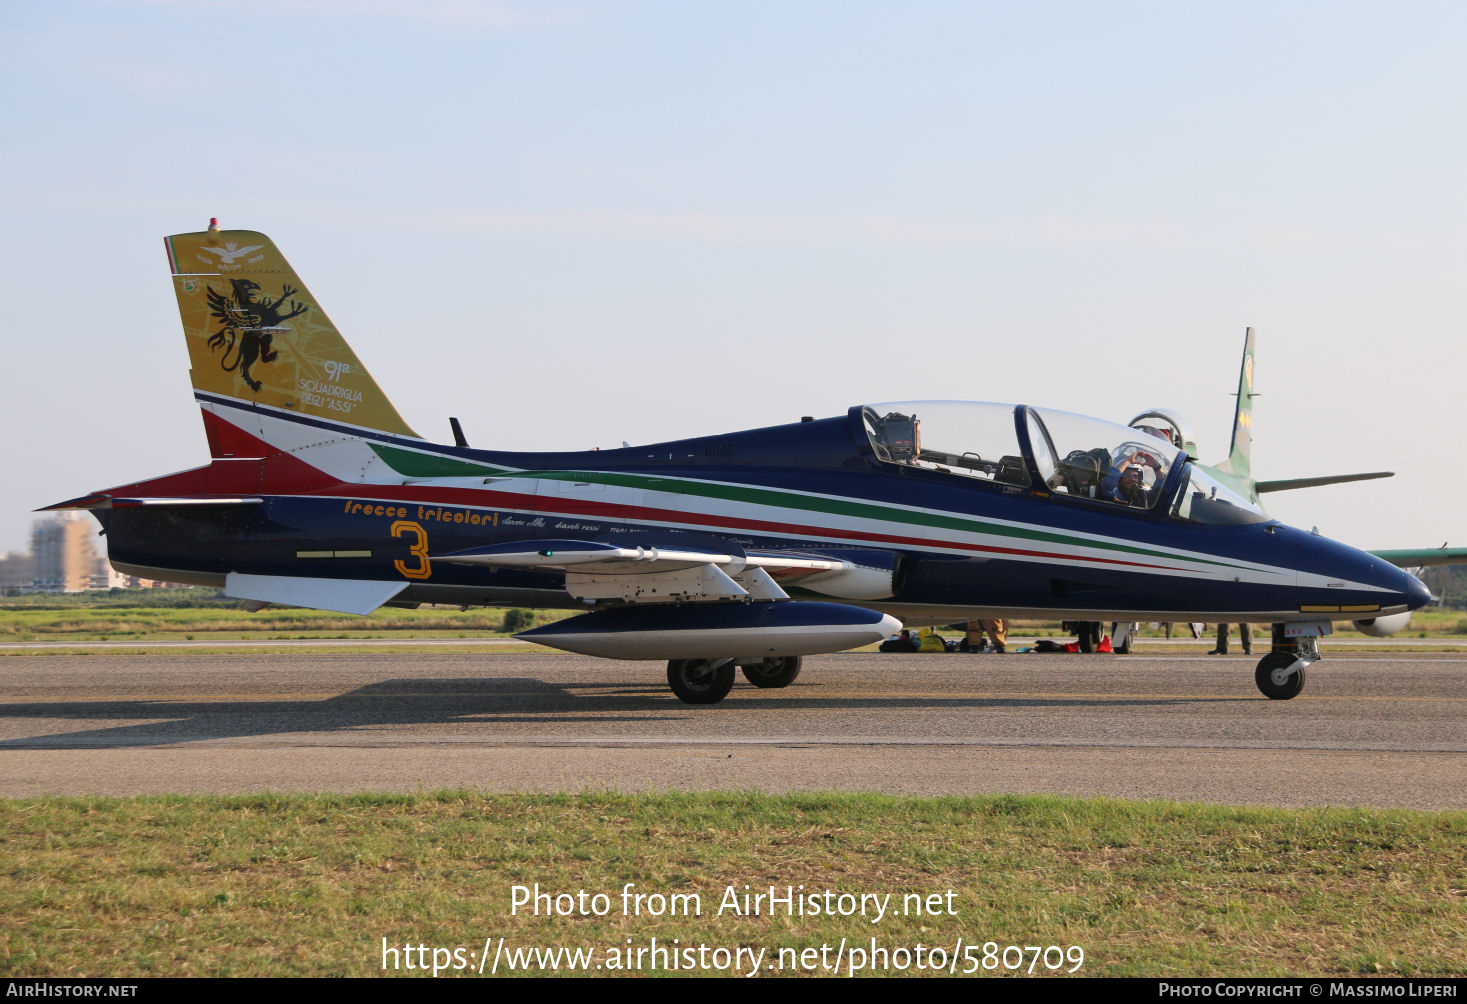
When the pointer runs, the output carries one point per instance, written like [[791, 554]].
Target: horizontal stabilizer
[[347, 596], [191, 503], [108, 502], [1329, 479], [1424, 556]]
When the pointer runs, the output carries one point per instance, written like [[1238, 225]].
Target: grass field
[[123, 620], [312, 885], [162, 615]]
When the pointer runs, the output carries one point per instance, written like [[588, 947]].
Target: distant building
[[66, 557], [62, 554], [17, 571]]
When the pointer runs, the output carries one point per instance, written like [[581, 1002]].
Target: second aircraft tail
[[1240, 455]]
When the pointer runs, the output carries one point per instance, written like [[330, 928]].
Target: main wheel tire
[[1088, 640], [1124, 648], [700, 681], [1263, 676], [773, 673]]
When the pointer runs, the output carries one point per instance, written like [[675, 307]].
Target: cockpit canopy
[[1091, 458], [960, 437], [1169, 425], [1071, 455]]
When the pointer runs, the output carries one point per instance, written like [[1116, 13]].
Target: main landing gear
[[708, 681], [700, 681], [1280, 673], [772, 673]]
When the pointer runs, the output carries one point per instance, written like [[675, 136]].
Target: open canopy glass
[[1074, 456]]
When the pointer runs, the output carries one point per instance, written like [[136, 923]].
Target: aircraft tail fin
[[1240, 455], [257, 339]]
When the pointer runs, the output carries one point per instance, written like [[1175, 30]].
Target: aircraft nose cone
[[1414, 593], [1417, 595]]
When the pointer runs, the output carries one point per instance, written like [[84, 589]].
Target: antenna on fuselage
[[458, 432]]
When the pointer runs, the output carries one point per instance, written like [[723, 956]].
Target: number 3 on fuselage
[[421, 568]]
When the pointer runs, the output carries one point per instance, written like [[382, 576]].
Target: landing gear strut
[[1122, 636], [700, 681], [1280, 674]]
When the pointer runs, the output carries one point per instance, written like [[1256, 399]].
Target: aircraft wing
[[1424, 557], [596, 570], [1328, 479], [604, 558]]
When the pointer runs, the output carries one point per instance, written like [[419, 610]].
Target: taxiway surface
[[1381, 730]]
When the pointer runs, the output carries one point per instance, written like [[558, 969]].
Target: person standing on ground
[[1245, 634]]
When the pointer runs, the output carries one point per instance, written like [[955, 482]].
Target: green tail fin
[[1240, 455]]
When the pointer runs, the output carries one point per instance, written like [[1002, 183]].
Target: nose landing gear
[[1280, 673]]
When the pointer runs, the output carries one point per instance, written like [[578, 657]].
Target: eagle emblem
[[231, 251]]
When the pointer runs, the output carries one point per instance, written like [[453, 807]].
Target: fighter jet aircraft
[[747, 550]]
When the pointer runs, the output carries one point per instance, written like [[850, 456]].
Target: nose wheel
[[1274, 679], [1280, 674]]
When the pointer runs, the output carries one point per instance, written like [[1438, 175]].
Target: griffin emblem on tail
[[248, 324]]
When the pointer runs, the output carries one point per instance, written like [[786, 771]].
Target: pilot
[[1124, 484], [1174, 439]]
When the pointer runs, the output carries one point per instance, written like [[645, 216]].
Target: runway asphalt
[[1376, 729]]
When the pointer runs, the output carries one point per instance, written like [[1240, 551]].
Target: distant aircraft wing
[[1329, 479], [1424, 557]]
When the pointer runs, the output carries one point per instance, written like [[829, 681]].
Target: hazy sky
[[576, 223]]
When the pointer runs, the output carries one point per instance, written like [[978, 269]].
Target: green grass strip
[[312, 885]]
